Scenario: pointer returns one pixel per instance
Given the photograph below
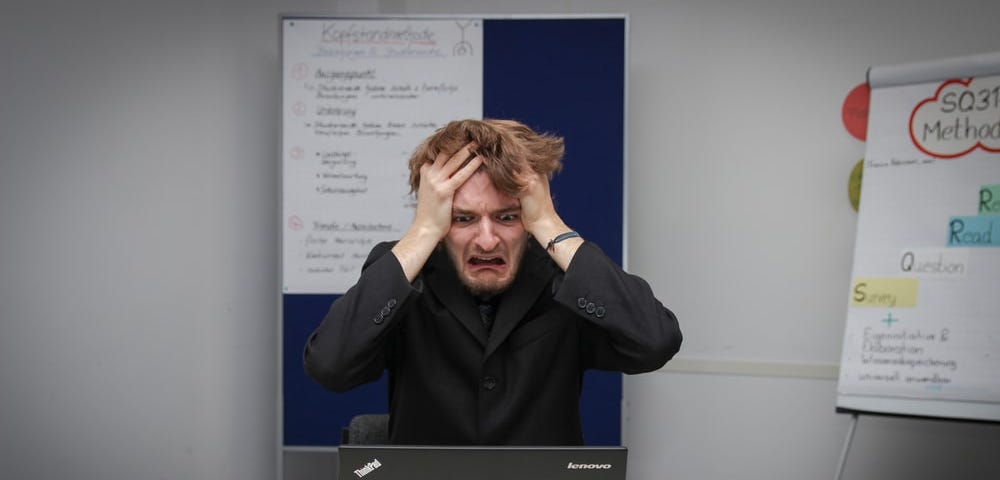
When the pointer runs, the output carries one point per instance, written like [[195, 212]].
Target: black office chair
[[366, 429]]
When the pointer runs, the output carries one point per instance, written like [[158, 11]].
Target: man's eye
[[507, 217], [462, 218]]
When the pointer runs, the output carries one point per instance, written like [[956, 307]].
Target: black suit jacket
[[453, 382]]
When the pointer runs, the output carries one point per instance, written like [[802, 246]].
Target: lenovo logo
[[588, 466]]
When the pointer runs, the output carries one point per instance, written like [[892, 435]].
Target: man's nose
[[486, 237]]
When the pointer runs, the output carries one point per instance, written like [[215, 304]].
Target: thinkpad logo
[[588, 466], [368, 468]]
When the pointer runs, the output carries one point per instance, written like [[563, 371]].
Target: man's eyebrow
[[512, 208], [509, 209]]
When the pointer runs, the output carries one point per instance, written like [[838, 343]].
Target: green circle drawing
[[854, 184]]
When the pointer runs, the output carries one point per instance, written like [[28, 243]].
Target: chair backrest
[[367, 429]]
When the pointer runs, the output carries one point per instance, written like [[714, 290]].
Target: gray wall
[[139, 233]]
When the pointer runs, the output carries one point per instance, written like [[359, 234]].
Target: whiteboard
[[922, 335], [358, 97]]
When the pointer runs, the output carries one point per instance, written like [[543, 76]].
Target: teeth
[[493, 260]]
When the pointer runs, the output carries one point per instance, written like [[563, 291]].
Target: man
[[489, 309]]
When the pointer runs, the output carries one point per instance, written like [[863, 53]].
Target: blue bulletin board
[[561, 75]]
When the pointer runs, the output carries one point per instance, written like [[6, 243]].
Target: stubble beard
[[487, 288], [490, 286]]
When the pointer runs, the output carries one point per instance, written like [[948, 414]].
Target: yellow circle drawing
[[854, 184]]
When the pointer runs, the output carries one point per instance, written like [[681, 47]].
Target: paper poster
[[924, 303], [358, 97]]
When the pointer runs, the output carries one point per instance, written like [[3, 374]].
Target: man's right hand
[[438, 182]]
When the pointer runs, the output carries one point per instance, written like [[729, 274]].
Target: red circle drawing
[[300, 71], [295, 223], [855, 111]]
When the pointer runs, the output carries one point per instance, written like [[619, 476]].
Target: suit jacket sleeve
[[348, 348], [627, 329]]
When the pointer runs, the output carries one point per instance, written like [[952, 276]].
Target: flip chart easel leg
[[847, 446]]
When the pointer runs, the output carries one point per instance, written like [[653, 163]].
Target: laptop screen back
[[382, 462]]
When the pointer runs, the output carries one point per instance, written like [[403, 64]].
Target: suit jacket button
[[591, 307], [391, 303], [489, 382], [599, 312], [581, 302], [385, 312], [378, 319]]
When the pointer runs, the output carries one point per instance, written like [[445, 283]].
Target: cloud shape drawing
[[963, 115]]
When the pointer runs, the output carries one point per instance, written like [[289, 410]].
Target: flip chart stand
[[847, 446]]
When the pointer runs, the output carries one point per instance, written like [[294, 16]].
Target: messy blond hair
[[506, 147]]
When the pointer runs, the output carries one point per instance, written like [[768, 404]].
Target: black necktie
[[486, 312]]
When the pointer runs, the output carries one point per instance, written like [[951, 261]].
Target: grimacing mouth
[[486, 260]]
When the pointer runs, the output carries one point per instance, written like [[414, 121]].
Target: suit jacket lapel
[[534, 276], [446, 286], [533, 279]]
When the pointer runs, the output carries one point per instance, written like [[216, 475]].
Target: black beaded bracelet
[[558, 238]]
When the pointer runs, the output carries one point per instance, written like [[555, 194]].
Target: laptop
[[399, 462]]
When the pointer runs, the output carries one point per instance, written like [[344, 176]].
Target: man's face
[[487, 240]]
